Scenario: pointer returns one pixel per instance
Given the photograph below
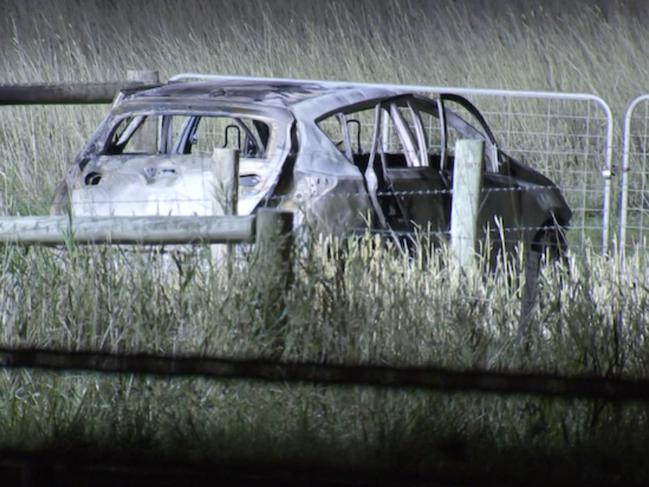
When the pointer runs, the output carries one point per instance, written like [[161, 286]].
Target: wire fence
[[427, 378], [567, 138], [567, 141], [634, 183]]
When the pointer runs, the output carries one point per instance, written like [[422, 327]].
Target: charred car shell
[[345, 158]]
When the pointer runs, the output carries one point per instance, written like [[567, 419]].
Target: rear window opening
[[167, 134]]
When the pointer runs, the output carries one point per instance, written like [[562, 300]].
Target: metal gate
[[566, 136], [634, 183]]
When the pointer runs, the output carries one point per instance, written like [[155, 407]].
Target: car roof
[[309, 100]]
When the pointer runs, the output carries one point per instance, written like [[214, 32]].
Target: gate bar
[[624, 181]]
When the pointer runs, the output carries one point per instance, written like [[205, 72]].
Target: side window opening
[[456, 130], [457, 122], [413, 132], [351, 133], [394, 153], [408, 135], [463, 123], [354, 130], [249, 136], [401, 135], [397, 146]]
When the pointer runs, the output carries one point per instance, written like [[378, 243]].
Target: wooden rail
[[59, 230], [430, 378], [63, 93], [74, 93]]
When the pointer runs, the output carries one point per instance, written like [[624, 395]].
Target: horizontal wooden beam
[[427, 378], [64, 93], [57, 230]]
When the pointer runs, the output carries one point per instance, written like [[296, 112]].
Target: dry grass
[[382, 307]]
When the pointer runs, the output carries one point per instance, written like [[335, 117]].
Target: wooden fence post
[[226, 194], [226, 176], [467, 187], [146, 76], [273, 258], [62, 93], [274, 244], [146, 138]]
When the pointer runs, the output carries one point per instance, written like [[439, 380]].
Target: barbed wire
[[324, 194], [205, 206]]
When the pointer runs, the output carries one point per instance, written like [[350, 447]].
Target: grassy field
[[381, 307]]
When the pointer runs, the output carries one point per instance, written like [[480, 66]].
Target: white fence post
[[226, 197], [226, 175], [467, 187]]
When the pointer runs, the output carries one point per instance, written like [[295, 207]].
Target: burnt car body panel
[[387, 163]]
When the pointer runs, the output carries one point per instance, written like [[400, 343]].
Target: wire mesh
[[574, 150], [634, 203], [567, 141], [565, 137]]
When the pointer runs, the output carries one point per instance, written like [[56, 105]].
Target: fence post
[[467, 186], [274, 244], [147, 76], [226, 176], [226, 194], [273, 254], [146, 138]]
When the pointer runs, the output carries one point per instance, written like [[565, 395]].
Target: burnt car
[[346, 158]]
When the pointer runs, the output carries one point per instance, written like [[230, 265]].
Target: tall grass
[[583, 46], [576, 46], [379, 307], [374, 305]]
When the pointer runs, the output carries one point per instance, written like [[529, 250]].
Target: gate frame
[[606, 173], [625, 168]]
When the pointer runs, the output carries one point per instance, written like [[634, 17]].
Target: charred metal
[[344, 158]]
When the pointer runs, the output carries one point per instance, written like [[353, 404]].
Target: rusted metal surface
[[383, 169]]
